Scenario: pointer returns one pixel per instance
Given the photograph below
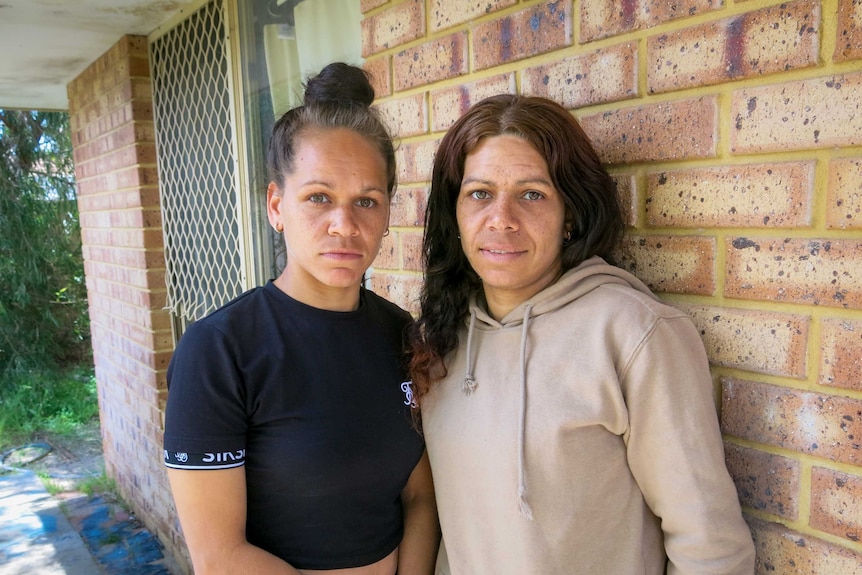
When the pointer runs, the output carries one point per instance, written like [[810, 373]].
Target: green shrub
[[43, 298]]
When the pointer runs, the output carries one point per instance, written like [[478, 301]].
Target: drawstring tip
[[469, 385], [524, 507]]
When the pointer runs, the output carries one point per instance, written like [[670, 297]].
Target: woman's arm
[[211, 505], [418, 550]]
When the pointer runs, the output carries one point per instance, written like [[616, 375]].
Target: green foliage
[[43, 299], [45, 401]]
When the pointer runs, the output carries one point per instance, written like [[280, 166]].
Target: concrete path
[[35, 536]]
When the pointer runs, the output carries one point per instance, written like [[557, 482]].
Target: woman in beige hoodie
[[568, 413]]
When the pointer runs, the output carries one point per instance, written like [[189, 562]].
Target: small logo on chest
[[407, 388]]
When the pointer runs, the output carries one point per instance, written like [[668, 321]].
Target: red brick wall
[[734, 129], [110, 106]]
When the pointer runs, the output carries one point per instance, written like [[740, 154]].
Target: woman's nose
[[502, 214], [343, 222]]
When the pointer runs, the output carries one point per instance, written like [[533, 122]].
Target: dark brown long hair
[[588, 192]]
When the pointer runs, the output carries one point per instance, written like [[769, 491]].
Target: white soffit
[[45, 44]]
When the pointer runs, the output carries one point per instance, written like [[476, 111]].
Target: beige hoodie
[[579, 436]]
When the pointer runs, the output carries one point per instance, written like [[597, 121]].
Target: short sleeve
[[205, 418]]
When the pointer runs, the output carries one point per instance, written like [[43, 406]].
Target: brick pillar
[[113, 137]]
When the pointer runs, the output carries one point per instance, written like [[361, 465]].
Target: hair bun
[[340, 82]]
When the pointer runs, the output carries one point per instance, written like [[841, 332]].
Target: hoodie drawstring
[[469, 385], [523, 505]]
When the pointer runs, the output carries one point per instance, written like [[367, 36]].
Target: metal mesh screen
[[197, 168]]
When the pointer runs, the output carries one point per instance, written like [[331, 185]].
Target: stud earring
[[567, 236], [279, 227]]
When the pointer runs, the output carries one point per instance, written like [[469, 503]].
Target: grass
[[34, 402]]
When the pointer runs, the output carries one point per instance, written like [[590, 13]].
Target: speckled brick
[[415, 160], [411, 251], [406, 116], [627, 192], [764, 342], [447, 13], [381, 80], [673, 264], [408, 207], [368, 5], [403, 290], [448, 104], [532, 31], [848, 43], [603, 18], [844, 194], [782, 551], [760, 195], [820, 425], [678, 130], [835, 498], [804, 271], [764, 481], [432, 61], [774, 39], [817, 113], [387, 258], [393, 27], [605, 75], [841, 353]]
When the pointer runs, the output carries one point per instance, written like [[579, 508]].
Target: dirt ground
[[66, 460]]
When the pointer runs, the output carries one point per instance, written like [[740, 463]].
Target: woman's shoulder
[[384, 308]]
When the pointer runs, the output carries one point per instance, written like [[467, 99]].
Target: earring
[[279, 227], [567, 236], [386, 233]]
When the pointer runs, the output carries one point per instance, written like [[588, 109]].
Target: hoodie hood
[[575, 283]]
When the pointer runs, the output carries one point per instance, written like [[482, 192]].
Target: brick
[[835, 498], [532, 31], [760, 195], [448, 13], [848, 41], [804, 271], [764, 342], [764, 481], [844, 194], [812, 423], [394, 26], [381, 79], [782, 551], [406, 116], [387, 258], [817, 113], [369, 5], [415, 161], [448, 104], [403, 290], [411, 251], [841, 353], [628, 197], [671, 264], [436, 60], [408, 207], [605, 75], [775, 39], [684, 129], [603, 18]]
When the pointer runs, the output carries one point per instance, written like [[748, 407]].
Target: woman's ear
[[273, 206]]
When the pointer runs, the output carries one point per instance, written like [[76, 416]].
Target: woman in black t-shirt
[[288, 433]]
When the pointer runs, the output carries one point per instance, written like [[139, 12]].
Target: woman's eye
[[366, 203], [479, 195], [317, 198], [533, 195]]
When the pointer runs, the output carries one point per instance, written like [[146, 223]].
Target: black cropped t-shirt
[[314, 404]]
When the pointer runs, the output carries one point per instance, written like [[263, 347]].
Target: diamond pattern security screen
[[197, 166]]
